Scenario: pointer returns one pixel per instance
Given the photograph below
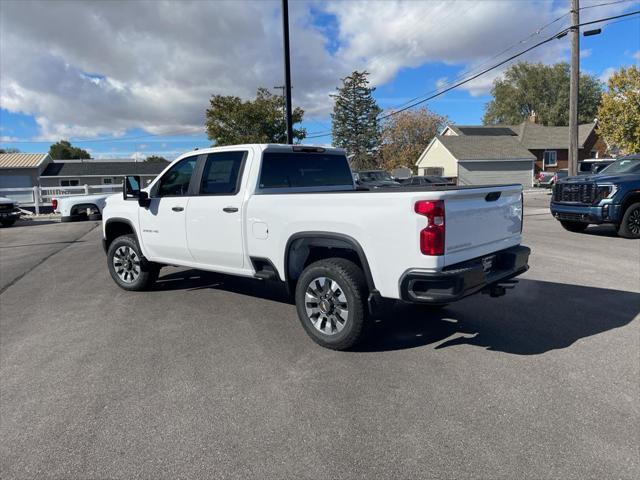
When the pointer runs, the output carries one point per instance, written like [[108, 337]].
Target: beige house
[[478, 159]]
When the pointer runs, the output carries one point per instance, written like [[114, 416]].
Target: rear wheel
[[128, 268], [630, 225], [330, 299], [575, 226]]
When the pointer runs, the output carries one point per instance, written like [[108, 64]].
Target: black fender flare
[[328, 239]]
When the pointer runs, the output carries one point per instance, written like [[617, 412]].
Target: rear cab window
[[304, 171]]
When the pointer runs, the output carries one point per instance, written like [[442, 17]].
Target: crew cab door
[[163, 223], [214, 216]]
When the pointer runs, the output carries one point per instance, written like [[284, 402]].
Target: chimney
[[533, 117]]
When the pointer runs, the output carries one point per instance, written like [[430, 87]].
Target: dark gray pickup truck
[[609, 197]]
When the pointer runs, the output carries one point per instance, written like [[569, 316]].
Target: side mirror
[[131, 190], [131, 187]]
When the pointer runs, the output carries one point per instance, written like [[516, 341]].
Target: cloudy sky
[[133, 78]]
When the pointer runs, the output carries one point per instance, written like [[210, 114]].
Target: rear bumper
[[464, 279], [607, 213]]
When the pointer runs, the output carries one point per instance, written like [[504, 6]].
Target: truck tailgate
[[481, 220]]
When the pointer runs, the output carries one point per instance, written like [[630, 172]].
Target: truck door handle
[[177, 209], [230, 209]]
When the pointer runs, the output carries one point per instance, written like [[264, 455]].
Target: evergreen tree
[[355, 125]]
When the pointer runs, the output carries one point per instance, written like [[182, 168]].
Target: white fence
[[41, 196]]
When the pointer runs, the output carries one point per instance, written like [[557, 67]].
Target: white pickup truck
[[293, 214], [73, 208]]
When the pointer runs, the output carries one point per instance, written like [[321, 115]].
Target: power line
[[467, 80], [604, 4], [111, 139]]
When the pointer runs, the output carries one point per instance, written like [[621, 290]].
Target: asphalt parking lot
[[211, 376]]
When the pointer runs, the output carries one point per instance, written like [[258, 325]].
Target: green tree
[[619, 112], [9, 150], [63, 150], [156, 159], [355, 126], [229, 120], [406, 135], [543, 89]]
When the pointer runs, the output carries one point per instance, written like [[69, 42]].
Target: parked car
[[9, 212], [375, 179], [292, 214], [548, 179], [427, 180], [609, 197], [595, 165], [74, 208]]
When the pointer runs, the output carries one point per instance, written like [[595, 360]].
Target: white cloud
[[586, 53], [101, 68], [606, 74], [636, 55], [7, 138]]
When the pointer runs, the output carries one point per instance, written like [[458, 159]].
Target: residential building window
[[69, 183], [550, 158]]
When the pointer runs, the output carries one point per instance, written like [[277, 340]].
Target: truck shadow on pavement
[[532, 319]]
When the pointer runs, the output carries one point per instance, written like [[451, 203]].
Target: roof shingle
[[79, 169], [480, 147]]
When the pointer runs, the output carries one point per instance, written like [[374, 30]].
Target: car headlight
[[605, 191]]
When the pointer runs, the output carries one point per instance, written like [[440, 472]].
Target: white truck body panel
[[383, 223], [67, 203]]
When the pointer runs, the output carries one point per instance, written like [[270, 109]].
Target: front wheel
[[630, 225], [331, 303], [128, 268], [575, 226], [7, 222]]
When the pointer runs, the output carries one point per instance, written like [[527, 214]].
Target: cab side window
[[175, 182], [222, 173]]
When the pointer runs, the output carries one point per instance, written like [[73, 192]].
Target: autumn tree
[[619, 112], [231, 121], [406, 135], [354, 121], [543, 89]]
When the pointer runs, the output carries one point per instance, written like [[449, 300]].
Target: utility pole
[[287, 70], [284, 107], [573, 88]]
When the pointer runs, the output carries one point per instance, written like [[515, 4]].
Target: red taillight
[[432, 236], [54, 204]]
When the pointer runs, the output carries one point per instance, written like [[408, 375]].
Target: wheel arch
[[116, 227], [630, 197], [316, 245], [73, 210]]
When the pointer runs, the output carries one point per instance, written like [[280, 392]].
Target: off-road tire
[[7, 222], [629, 228], [148, 271], [574, 226], [95, 217], [352, 283]]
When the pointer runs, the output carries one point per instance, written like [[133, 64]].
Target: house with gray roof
[[70, 173], [481, 154]]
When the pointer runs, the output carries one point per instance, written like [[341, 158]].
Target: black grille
[[575, 193], [6, 207]]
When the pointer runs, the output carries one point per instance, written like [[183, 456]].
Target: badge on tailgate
[[488, 262]]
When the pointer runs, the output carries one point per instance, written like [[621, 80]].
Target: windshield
[[624, 165], [380, 176]]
